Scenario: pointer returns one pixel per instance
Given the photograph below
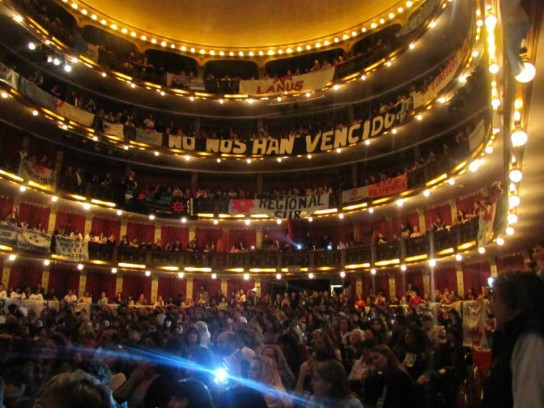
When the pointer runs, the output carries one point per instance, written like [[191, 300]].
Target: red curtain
[[367, 284], [208, 236], [239, 283], [511, 262], [34, 215], [382, 284], [467, 203], [443, 211], [136, 284], [171, 287], [75, 221], [171, 234], [445, 278], [25, 274], [475, 276], [416, 279], [39, 148], [248, 237], [98, 282], [400, 288], [107, 227], [6, 204], [398, 221], [142, 232], [279, 234], [213, 286], [63, 279]]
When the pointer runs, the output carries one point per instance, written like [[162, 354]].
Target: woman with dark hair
[[330, 387], [190, 394], [396, 389], [191, 338]]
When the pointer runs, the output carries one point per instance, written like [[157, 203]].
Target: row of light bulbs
[[380, 20]]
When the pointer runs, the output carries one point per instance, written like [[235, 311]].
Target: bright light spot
[[371, 210], [481, 250], [489, 149], [54, 199], [342, 274], [278, 276], [86, 206], [451, 181], [119, 212], [46, 262], [247, 222], [512, 218], [527, 74], [373, 271], [367, 142], [341, 216], [148, 273], [490, 281], [510, 230], [412, 46], [114, 270], [183, 220], [494, 68], [181, 275], [426, 193], [516, 175], [519, 138], [246, 276], [514, 201], [31, 46], [22, 189], [215, 222], [500, 241], [310, 219], [80, 267], [4, 95], [490, 21], [432, 263], [458, 257], [278, 221], [12, 257], [310, 276], [419, 117], [220, 374], [400, 202], [403, 268]]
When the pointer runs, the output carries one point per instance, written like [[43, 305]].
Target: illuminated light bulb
[[426, 193], [309, 156], [419, 117], [54, 199], [400, 202], [278, 276], [432, 263], [22, 189], [12, 257], [367, 142], [119, 212], [247, 222], [495, 103], [412, 46], [187, 157], [458, 257], [80, 267], [462, 79], [489, 149], [475, 53], [516, 175], [338, 150], [519, 138], [181, 275], [132, 85], [156, 153], [481, 250], [310, 276], [46, 262], [4, 95], [510, 230], [192, 98], [342, 274], [336, 87], [491, 21], [215, 222], [103, 22], [86, 206], [442, 100], [514, 201], [278, 221], [527, 74], [93, 16], [114, 270], [494, 68], [246, 276], [183, 220], [308, 94], [35, 113], [31, 46], [371, 210], [432, 24], [56, 61], [248, 161], [451, 181], [147, 273], [512, 218], [474, 166], [394, 131], [125, 31], [363, 77], [250, 101], [341, 216], [517, 116], [310, 219], [403, 268], [373, 271], [151, 217], [221, 101], [500, 241], [388, 64], [104, 75]]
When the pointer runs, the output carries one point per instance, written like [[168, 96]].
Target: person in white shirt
[[86, 298], [36, 295], [18, 294], [70, 297]]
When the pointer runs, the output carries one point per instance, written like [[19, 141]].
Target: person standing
[[516, 378]]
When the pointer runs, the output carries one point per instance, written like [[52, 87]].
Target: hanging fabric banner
[[71, 249], [290, 207], [288, 84], [47, 178], [33, 240]]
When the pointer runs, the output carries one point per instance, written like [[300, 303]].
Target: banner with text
[[149, 136], [288, 84], [33, 240], [8, 235], [291, 207], [71, 112], [45, 177], [388, 187], [114, 129], [71, 249]]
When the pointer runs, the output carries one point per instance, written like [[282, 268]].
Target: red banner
[[388, 187]]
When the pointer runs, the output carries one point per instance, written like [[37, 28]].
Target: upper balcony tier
[[379, 66]]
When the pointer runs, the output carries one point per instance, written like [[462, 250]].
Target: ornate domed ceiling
[[241, 23]]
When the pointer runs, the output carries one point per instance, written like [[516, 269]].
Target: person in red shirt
[[415, 299]]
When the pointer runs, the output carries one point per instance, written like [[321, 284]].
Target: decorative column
[[119, 284], [453, 209], [6, 271], [189, 294], [258, 287], [154, 288], [88, 225], [45, 280], [493, 268], [52, 220], [359, 285], [426, 284], [421, 219], [258, 236], [158, 233], [123, 230], [58, 161], [460, 280], [392, 287], [192, 233], [224, 287], [82, 283]]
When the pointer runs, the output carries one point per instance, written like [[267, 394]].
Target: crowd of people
[[297, 349]]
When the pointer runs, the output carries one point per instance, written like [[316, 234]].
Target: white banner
[[151, 137], [288, 84], [33, 240], [8, 235], [43, 176], [71, 112], [174, 141], [291, 207], [9, 76], [355, 194], [114, 129], [71, 249]]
